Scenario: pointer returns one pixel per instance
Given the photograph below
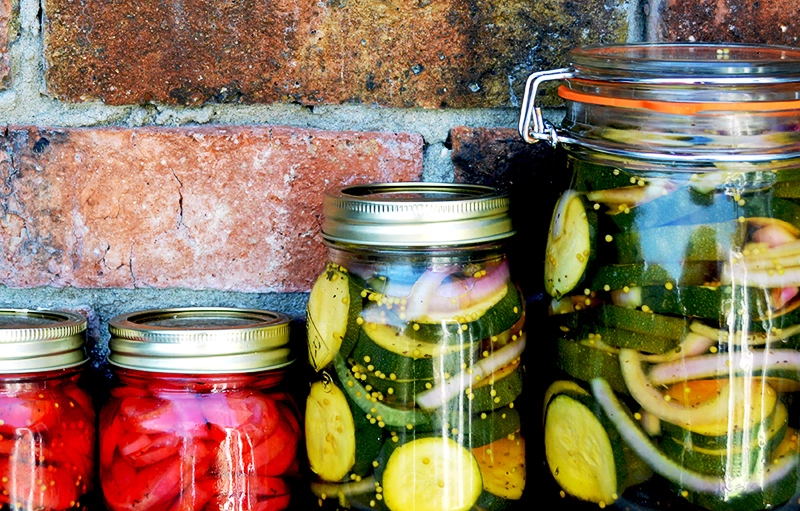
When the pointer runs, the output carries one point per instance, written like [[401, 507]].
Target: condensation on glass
[[199, 417], [673, 265], [415, 331], [47, 422]]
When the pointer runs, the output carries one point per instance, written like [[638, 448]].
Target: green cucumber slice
[[483, 428], [388, 415], [642, 322], [679, 243], [384, 350], [617, 276], [585, 362], [619, 338], [775, 489], [731, 458], [570, 244], [485, 320], [332, 314], [499, 394], [709, 302]]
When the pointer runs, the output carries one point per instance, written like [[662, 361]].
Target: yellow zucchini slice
[[333, 308], [431, 474], [569, 245], [579, 452], [330, 432]]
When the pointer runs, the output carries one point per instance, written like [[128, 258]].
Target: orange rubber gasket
[[667, 107]]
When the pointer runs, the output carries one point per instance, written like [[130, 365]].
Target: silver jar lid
[[40, 340], [203, 340], [415, 215]]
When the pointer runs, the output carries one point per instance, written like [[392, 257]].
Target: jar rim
[[415, 214], [200, 340], [688, 62], [36, 340]]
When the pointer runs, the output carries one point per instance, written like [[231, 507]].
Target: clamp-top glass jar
[[198, 418], [415, 330], [673, 262], [46, 419]]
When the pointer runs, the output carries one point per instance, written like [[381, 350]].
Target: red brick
[[749, 21], [234, 208], [459, 53], [6, 33]]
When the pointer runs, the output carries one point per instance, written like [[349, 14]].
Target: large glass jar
[[673, 264], [415, 329], [199, 418], [46, 419]]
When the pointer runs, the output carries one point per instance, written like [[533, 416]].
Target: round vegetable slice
[[431, 474], [330, 432], [333, 308], [579, 451], [569, 244]]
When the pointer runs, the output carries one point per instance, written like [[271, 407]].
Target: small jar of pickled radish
[[46, 418], [198, 417], [415, 331], [673, 265]]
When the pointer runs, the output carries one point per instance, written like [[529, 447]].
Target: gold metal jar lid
[[416, 215], [200, 340], [40, 340]]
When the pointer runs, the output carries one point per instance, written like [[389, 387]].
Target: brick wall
[[173, 154]]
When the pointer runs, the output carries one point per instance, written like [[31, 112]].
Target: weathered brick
[[6, 34], [761, 21], [534, 176], [234, 208], [429, 53]]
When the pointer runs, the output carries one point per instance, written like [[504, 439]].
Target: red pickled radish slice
[[270, 449], [110, 434], [143, 489], [195, 496], [131, 443]]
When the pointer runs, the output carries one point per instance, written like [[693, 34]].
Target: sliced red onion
[[641, 444], [456, 296], [741, 363], [439, 395], [693, 344], [418, 302]]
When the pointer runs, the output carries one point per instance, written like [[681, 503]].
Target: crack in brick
[[130, 267], [180, 199]]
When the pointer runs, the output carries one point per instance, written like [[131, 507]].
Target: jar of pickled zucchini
[[415, 330], [673, 265], [199, 418], [46, 418]]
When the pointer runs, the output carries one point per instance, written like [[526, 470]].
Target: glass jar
[[199, 418], [674, 271], [415, 330], [46, 420]]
